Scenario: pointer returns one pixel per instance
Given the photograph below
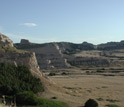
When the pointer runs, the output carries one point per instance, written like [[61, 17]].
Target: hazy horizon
[[41, 21]]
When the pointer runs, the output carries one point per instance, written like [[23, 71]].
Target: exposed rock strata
[[13, 56], [88, 61], [62, 54], [48, 55]]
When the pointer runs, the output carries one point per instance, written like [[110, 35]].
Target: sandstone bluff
[[11, 55], [65, 54]]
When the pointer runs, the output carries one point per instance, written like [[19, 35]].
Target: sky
[[41, 21]]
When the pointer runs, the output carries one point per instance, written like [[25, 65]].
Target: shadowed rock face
[[111, 46], [25, 41], [5, 41]]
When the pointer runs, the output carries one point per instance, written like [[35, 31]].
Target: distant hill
[[72, 48], [111, 45], [62, 54]]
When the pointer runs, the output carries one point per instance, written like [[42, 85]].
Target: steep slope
[[9, 54], [48, 55], [72, 48], [19, 57], [62, 54]]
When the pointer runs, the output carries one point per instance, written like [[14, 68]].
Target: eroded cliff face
[[65, 54], [26, 59], [48, 55], [9, 54], [88, 61]]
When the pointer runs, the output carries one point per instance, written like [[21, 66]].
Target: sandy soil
[[77, 89]]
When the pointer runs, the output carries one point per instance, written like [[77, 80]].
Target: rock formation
[[48, 55], [24, 41], [88, 61], [62, 54], [111, 46], [9, 54], [5, 41]]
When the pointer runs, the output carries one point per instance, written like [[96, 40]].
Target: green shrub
[[52, 74], [63, 73], [112, 105], [54, 98], [91, 103], [49, 103], [100, 99], [113, 101], [17, 79], [26, 98], [19, 83], [29, 99]]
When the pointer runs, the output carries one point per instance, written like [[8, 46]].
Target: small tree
[[91, 103]]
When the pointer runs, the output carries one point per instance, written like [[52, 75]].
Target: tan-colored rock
[[27, 59], [48, 55], [5, 41], [11, 55]]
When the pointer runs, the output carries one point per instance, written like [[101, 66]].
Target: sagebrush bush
[[91, 103], [52, 74]]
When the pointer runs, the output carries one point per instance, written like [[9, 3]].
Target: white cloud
[[30, 24]]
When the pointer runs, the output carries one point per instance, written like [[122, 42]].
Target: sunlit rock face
[[5, 41], [11, 55]]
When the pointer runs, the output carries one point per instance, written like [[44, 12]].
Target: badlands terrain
[[72, 73], [81, 71]]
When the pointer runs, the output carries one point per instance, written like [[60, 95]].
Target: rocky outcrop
[[87, 46], [26, 59], [24, 41], [48, 55], [62, 54], [71, 48], [5, 41], [17, 57]]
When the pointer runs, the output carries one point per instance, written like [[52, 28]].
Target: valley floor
[[79, 88]]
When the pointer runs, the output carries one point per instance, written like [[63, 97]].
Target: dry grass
[[77, 89]]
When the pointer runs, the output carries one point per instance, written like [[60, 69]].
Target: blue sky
[[40, 21]]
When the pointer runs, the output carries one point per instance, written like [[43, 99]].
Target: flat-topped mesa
[[24, 41], [5, 41]]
